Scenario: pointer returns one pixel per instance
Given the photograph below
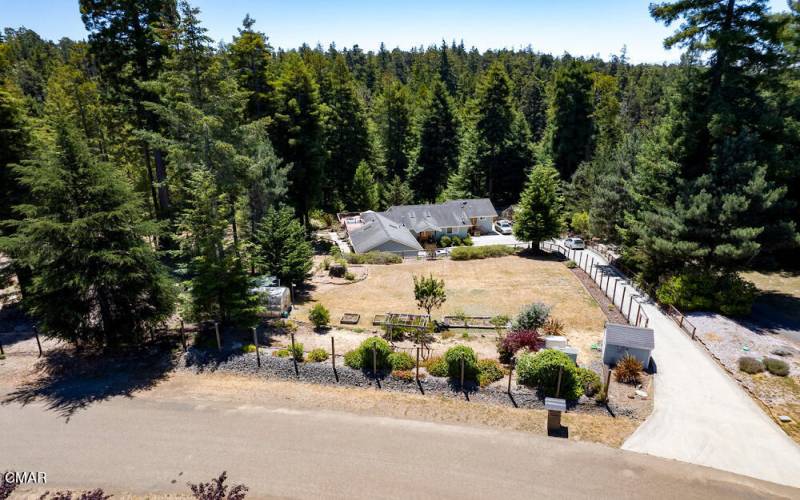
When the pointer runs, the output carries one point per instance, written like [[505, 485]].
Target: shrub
[[248, 348], [580, 222], [404, 375], [516, 340], [349, 276], [296, 351], [453, 358], [589, 380], [499, 322], [400, 361], [602, 395], [466, 241], [541, 370], [319, 316], [216, 489], [532, 317], [361, 358], [445, 241], [482, 252], [726, 293], [317, 355], [553, 327], [571, 264], [750, 365], [455, 241], [436, 366], [776, 367], [373, 258], [489, 371], [628, 370], [281, 353]]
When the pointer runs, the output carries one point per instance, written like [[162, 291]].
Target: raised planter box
[[379, 319], [350, 319], [478, 322]]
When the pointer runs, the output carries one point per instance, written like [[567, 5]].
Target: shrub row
[[454, 241], [483, 252], [708, 291], [373, 258], [774, 366]]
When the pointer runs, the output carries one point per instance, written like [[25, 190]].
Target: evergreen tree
[[250, 55], [394, 129], [570, 122], [446, 74], [346, 133], [95, 276], [218, 284], [282, 247], [438, 147], [538, 216], [396, 192], [296, 132], [365, 192]]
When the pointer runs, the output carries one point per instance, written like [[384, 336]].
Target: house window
[[449, 230]]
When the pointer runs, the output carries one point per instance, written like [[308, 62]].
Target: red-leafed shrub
[[516, 340]]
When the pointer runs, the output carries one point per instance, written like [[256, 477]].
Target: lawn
[[477, 288]]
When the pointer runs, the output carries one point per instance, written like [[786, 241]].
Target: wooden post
[[680, 323], [2, 352], [622, 302], [38, 343], [608, 381], [375, 362], [630, 305], [638, 314], [614, 295], [255, 341], [510, 371], [294, 358], [647, 322], [462, 373], [694, 329], [333, 354], [216, 329], [417, 364], [558, 385], [183, 337]]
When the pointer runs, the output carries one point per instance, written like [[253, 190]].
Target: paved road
[[701, 415], [496, 239], [156, 445]]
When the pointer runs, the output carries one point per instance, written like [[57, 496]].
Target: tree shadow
[[775, 312], [15, 325], [69, 381]]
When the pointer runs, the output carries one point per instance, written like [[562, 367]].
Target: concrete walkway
[[701, 415]]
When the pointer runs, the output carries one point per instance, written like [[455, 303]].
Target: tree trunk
[[161, 178]]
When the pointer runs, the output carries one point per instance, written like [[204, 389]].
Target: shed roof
[[629, 336], [378, 230]]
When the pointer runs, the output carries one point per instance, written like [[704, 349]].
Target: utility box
[[555, 342], [554, 407], [572, 352]]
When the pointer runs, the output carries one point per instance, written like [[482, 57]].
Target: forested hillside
[[148, 153]]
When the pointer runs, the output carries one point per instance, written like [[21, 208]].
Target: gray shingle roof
[[629, 336], [378, 230], [453, 213]]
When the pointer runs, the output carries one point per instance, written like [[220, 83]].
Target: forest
[[148, 167]]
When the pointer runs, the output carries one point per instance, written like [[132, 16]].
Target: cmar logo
[[25, 477]]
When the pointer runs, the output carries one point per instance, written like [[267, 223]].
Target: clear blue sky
[[580, 27]]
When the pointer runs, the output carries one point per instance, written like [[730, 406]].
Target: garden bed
[[350, 319], [478, 322]]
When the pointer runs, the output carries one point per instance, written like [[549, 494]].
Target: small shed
[[621, 339]]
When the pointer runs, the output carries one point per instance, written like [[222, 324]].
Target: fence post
[[680, 323], [646, 322], [638, 313], [294, 358], [216, 329], [462, 373], [510, 371], [374, 362], [694, 329], [630, 305], [558, 386], [2, 352], [183, 336], [38, 343], [614, 295], [622, 302], [255, 341], [333, 355], [417, 377]]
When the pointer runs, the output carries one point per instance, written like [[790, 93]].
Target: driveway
[[158, 441], [496, 239], [701, 415]]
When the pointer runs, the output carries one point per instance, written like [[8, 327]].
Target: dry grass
[[477, 288], [781, 282], [209, 387]]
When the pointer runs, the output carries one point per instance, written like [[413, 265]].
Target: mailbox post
[[554, 407]]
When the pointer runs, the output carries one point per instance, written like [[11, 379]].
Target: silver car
[[574, 243], [503, 227]]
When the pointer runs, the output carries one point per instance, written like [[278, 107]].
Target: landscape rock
[[784, 418]]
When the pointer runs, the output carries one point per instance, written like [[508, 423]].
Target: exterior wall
[[461, 232], [613, 353], [485, 224]]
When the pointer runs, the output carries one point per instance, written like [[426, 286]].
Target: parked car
[[503, 226], [574, 243]]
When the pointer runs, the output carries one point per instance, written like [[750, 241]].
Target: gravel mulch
[[612, 313], [322, 373]]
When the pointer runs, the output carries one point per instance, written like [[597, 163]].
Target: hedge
[[541, 370], [483, 252]]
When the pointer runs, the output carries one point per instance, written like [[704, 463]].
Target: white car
[[574, 244], [503, 227]]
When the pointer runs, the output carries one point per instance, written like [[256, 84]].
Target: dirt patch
[[728, 340]]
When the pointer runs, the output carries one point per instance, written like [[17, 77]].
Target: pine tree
[[95, 276], [438, 147], [571, 128], [396, 192], [446, 74], [346, 133], [394, 129], [538, 216], [282, 247], [365, 192], [296, 132], [251, 55]]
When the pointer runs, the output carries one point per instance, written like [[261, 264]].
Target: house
[[374, 232], [621, 339], [402, 228]]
